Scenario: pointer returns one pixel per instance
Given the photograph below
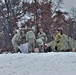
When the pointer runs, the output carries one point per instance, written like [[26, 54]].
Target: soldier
[[30, 38], [16, 40], [58, 40], [43, 37]]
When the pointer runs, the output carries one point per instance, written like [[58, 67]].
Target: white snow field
[[38, 64]]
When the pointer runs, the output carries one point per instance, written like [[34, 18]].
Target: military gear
[[74, 44], [42, 36], [40, 44], [39, 41], [65, 41], [68, 43], [16, 41], [30, 35], [59, 42], [30, 38]]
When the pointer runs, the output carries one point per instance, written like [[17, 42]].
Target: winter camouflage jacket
[[30, 35], [68, 43], [42, 36]]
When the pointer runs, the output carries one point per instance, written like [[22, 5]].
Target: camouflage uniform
[[16, 40], [74, 45], [67, 43], [59, 42], [30, 38], [40, 44], [43, 37]]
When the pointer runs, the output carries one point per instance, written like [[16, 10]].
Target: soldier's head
[[20, 31], [57, 31], [29, 28], [41, 30]]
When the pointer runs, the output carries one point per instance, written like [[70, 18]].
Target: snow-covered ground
[[38, 64]]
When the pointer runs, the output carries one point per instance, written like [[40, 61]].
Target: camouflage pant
[[15, 47], [41, 48], [31, 45]]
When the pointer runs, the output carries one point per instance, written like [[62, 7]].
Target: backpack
[[31, 35]]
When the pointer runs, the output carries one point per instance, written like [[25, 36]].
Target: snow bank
[[38, 64]]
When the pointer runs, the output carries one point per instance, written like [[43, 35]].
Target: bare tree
[[9, 10], [56, 4]]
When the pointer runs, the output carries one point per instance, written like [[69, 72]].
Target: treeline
[[23, 13]]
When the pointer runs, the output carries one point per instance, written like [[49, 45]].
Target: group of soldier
[[29, 37], [39, 41]]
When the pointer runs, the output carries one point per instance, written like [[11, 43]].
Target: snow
[[38, 64], [62, 10]]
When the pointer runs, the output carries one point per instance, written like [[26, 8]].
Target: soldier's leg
[[39, 48], [33, 46], [15, 50], [42, 48], [29, 47], [15, 47]]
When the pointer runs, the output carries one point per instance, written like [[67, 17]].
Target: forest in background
[[47, 14]]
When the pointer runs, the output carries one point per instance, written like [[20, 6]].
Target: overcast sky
[[68, 4]]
